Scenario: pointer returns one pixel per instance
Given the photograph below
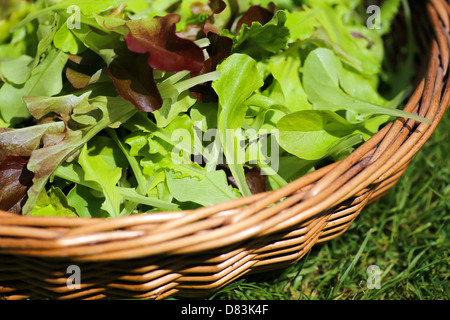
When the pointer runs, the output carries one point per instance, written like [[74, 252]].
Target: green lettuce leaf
[[16, 71], [97, 169], [240, 77], [53, 203], [45, 80], [310, 134], [323, 78], [212, 189], [259, 41]]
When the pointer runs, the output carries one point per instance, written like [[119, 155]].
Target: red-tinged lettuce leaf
[[77, 79], [220, 48], [16, 149], [22, 142], [222, 16], [256, 181], [46, 146], [46, 159], [133, 79], [87, 58], [81, 68], [166, 50], [63, 106], [255, 14], [15, 180], [217, 6]]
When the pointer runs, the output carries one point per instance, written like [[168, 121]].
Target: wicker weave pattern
[[193, 253]]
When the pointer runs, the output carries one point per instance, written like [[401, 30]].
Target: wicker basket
[[194, 253]]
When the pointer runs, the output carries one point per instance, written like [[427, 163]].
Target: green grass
[[404, 235]]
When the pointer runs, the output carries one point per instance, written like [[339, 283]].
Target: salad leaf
[[323, 78], [97, 169], [87, 197], [11, 13], [204, 115], [285, 70], [170, 111], [239, 79], [160, 149], [16, 71], [310, 134], [15, 180], [102, 43], [45, 80], [45, 34], [44, 161], [325, 27], [255, 13], [40, 106], [166, 50], [133, 79], [221, 15], [213, 188], [53, 203], [85, 6], [388, 10], [258, 40], [84, 202], [23, 141], [220, 48], [66, 41]]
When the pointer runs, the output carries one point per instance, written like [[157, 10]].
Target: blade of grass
[[354, 261]]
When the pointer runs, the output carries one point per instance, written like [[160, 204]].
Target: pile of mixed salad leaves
[[116, 107]]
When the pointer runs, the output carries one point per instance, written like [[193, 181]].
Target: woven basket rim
[[314, 208]]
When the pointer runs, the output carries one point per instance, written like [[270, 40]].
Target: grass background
[[405, 234]]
